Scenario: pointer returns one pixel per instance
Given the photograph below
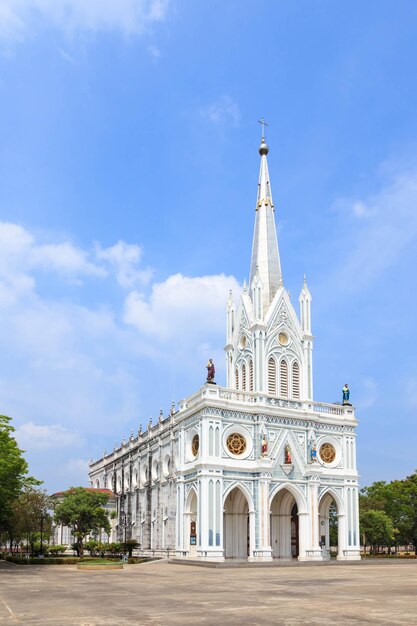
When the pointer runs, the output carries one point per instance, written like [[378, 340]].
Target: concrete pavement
[[159, 594]]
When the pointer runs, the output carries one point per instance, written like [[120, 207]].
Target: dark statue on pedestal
[[210, 372]]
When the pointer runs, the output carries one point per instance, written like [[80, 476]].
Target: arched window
[[272, 377], [251, 375], [244, 377], [283, 379], [237, 378], [295, 380]]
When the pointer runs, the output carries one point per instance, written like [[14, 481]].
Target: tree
[[377, 529], [399, 501], [82, 510], [31, 520], [13, 472], [406, 491]]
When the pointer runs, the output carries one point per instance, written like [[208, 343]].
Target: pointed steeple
[[305, 307], [265, 254]]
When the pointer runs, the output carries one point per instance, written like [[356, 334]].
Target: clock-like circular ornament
[[327, 453], [283, 339], [236, 443], [195, 445]]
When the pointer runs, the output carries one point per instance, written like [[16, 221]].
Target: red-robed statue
[[210, 371]]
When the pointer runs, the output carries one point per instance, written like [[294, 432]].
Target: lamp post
[[41, 550], [125, 523]]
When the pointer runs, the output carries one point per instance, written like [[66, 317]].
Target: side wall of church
[[141, 473]]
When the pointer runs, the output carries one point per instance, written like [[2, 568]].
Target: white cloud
[[65, 258], [22, 257], [36, 437], [224, 110], [77, 376], [181, 306], [154, 51], [362, 210], [373, 245], [21, 18], [124, 259], [77, 470]]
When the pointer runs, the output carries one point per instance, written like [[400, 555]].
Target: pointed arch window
[[295, 380], [237, 378], [283, 369], [272, 377], [244, 377], [251, 375]]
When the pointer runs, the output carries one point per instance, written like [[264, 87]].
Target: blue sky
[[128, 176]]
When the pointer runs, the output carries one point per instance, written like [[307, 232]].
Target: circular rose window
[[195, 444], [327, 453], [236, 444]]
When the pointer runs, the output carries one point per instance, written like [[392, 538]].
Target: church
[[257, 469]]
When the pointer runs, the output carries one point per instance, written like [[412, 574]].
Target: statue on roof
[[346, 394], [210, 372]]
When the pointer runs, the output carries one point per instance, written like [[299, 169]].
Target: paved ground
[[164, 594]]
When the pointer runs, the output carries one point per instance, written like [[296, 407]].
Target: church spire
[[265, 254]]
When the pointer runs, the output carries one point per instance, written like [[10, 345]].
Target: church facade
[[254, 470]]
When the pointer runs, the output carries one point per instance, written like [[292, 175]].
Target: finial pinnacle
[[263, 148]]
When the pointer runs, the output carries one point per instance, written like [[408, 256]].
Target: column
[[263, 551], [313, 550]]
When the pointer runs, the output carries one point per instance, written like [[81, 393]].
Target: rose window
[[195, 444], [236, 444], [327, 453]]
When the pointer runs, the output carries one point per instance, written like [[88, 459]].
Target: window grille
[[283, 379], [295, 380], [250, 375], [272, 377]]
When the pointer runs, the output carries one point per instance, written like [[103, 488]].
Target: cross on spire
[[263, 124]]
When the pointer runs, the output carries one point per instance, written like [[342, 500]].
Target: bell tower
[[269, 349]]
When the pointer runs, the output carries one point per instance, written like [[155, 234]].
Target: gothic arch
[[295, 491], [332, 495], [245, 491], [237, 527], [191, 522], [327, 520], [192, 493]]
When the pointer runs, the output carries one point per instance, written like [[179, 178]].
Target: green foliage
[[130, 545], [82, 510], [45, 561], [30, 517], [376, 529], [333, 527], [398, 499], [96, 548], [114, 548], [13, 473], [54, 550]]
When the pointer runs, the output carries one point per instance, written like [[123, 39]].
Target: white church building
[[256, 469]]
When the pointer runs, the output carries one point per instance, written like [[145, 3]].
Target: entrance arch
[[191, 523], [285, 535], [331, 525], [236, 525]]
